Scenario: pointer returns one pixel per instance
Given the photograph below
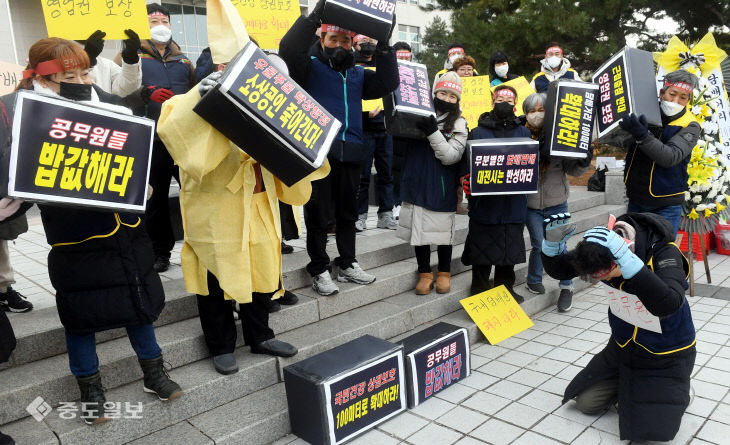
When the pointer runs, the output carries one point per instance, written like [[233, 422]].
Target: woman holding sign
[[428, 186]]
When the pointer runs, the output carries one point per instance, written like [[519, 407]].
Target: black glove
[[384, 45], [94, 45], [637, 126], [428, 125], [316, 14], [131, 46]]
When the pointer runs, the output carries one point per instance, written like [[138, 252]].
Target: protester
[[100, 263], [496, 222], [235, 255], [453, 52], [10, 228], [403, 51], [378, 148], [428, 189], [163, 64], [551, 197], [656, 161], [499, 68], [465, 66], [553, 67], [108, 74], [331, 61], [204, 65], [645, 372]]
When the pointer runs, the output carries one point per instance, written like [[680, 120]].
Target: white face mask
[[554, 61], [454, 57], [501, 70], [670, 108], [536, 118], [161, 34]]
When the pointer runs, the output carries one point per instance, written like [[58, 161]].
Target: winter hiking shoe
[[425, 283], [536, 288], [386, 221], [565, 300], [323, 284], [288, 299], [225, 363], [13, 301], [92, 399], [360, 224], [157, 380], [274, 347], [354, 274]]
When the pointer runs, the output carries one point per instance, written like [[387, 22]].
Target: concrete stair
[[250, 406]]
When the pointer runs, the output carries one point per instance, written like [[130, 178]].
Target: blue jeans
[[537, 234], [379, 146], [673, 214], [82, 349]]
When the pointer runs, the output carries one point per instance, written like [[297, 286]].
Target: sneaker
[[536, 288], [396, 212], [354, 274], [13, 301], [323, 284], [565, 300], [360, 224], [386, 221], [161, 264]]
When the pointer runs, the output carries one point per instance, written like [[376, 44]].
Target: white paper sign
[[630, 309]]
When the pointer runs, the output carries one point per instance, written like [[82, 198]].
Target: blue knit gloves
[[627, 261], [557, 231]]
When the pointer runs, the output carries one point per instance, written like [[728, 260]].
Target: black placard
[[410, 102], [365, 397], [614, 99], [372, 18], [438, 365], [503, 166], [569, 122], [79, 155]]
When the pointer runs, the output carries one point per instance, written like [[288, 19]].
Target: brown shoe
[[443, 282], [425, 284]]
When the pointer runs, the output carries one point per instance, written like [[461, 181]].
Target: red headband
[[681, 85], [554, 48], [157, 14], [505, 92], [456, 50], [50, 67], [334, 28], [359, 37], [403, 53], [449, 85]]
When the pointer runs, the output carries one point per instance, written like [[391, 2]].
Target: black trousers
[[340, 189], [219, 326], [480, 277], [157, 214], [288, 224], [423, 256]]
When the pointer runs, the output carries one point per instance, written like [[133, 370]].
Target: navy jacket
[[204, 65], [497, 209]]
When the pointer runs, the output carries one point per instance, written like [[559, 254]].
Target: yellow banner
[[268, 20], [77, 20], [10, 76], [370, 105], [496, 314], [476, 98], [523, 90]]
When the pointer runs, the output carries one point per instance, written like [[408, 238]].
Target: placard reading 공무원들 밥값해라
[[72, 154], [410, 102], [77, 20], [569, 115], [503, 166], [269, 116], [372, 18]]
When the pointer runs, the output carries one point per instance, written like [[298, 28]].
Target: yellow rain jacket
[[229, 230]]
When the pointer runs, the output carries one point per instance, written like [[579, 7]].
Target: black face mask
[[367, 49], [340, 59], [444, 107], [504, 110], [75, 91]]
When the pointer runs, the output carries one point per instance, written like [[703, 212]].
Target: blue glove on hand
[[557, 231], [627, 261], [637, 126]]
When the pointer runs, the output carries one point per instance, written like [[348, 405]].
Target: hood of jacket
[[553, 75], [488, 120], [651, 229]]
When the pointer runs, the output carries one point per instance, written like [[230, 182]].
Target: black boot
[[92, 399], [157, 381]]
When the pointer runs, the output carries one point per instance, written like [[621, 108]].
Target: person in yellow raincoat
[[229, 203]]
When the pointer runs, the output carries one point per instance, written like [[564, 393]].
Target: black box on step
[[627, 85], [436, 358], [269, 116], [341, 393], [372, 18], [410, 102]]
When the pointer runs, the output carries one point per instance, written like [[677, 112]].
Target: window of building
[[414, 2], [410, 35], [189, 28]]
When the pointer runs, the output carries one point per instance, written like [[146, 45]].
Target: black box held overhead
[[269, 116], [372, 18], [504, 166], [627, 85], [410, 102], [436, 358], [341, 393], [570, 111]]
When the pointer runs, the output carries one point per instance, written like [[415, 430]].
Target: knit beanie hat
[[449, 82]]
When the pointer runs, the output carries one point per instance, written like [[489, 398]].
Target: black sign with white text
[[570, 113], [503, 166]]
